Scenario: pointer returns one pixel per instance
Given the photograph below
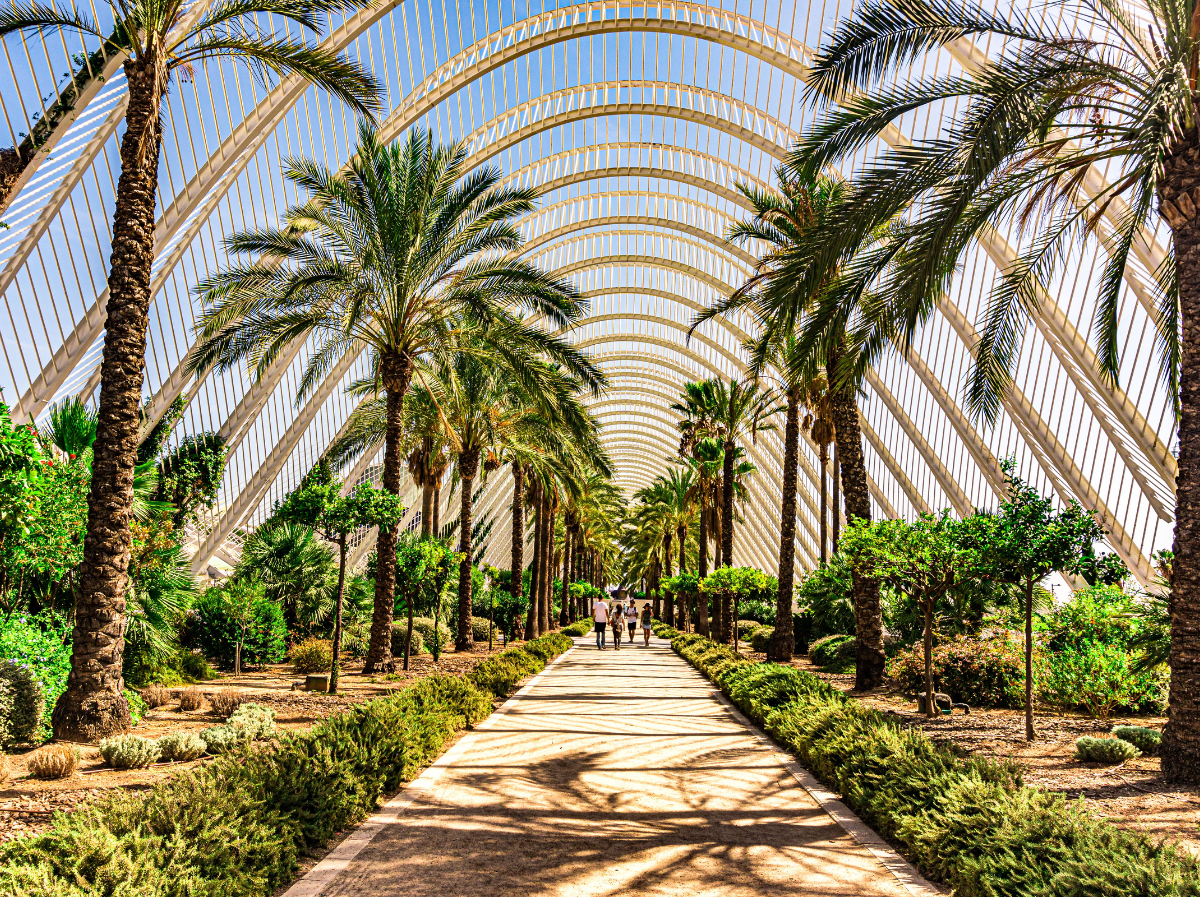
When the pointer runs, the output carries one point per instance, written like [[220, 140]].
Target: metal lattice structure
[[636, 121]]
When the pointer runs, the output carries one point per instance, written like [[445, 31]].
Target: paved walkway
[[617, 772]]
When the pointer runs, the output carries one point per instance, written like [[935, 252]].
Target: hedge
[[580, 628], [240, 824], [969, 823]]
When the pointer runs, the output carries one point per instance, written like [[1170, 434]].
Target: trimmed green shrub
[[1110, 751], [22, 702], [979, 672], [479, 629], [399, 633], [579, 628], [216, 633], [1100, 679], [746, 628], [761, 638], [42, 642], [968, 823], [499, 674], [424, 625], [240, 824], [833, 652], [128, 751], [313, 655], [177, 747], [1144, 739]]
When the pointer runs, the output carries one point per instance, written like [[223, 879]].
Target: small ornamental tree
[[423, 564], [1029, 541], [922, 560], [686, 589], [319, 503], [729, 586]]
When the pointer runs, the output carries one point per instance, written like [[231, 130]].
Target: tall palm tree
[[389, 257], [161, 38], [700, 409], [746, 409], [1037, 115]]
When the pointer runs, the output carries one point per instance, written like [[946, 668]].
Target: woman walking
[[618, 623], [647, 616]]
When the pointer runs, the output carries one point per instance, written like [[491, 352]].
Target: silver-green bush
[[1145, 740], [128, 751], [21, 706], [1104, 750], [178, 747]]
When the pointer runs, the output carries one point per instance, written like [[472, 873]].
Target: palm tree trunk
[[1180, 750], [824, 507], [518, 532], [702, 553], [94, 705], [564, 612], [437, 509], [836, 510], [397, 374], [868, 610], [681, 539], [337, 615], [531, 616], [426, 510], [468, 466], [668, 607], [1030, 734], [727, 506], [544, 621], [783, 642]]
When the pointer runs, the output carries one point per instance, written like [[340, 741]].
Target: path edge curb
[[905, 873], [316, 879]]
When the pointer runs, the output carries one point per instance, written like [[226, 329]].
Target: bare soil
[[1132, 795], [27, 805]]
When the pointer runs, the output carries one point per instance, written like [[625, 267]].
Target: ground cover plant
[[240, 824], [968, 823]]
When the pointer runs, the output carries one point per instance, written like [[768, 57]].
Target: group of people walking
[[621, 615]]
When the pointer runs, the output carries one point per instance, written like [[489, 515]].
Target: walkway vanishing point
[[611, 773]]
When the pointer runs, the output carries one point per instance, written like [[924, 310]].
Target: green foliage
[[979, 672], [1102, 615], [760, 639], [238, 611], [745, 628], [221, 739], [400, 634], [20, 470], [833, 652], [179, 747], [762, 612], [296, 569], [682, 584], [129, 751], [827, 596], [429, 635], [500, 673], [241, 824], [740, 582], [137, 706], [578, 628], [1109, 751], [254, 721], [967, 823], [23, 704], [1101, 679], [190, 475], [1144, 739], [42, 643], [312, 656], [480, 627]]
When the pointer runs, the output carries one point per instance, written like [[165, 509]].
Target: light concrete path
[[617, 773]]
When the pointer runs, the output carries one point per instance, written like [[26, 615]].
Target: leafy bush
[[137, 706], [760, 639], [499, 674], [22, 704], [979, 672], [1100, 615], [746, 627], [241, 824], [968, 823], [128, 751], [1145, 740], [312, 655], [1109, 751], [223, 703], [1100, 679], [254, 721], [215, 632], [179, 747], [424, 625], [833, 652], [221, 739], [399, 633], [826, 595], [479, 629], [54, 761], [42, 642], [757, 609], [190, 699], [578, 628]]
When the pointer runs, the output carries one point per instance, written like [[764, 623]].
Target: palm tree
[[700, 409], [745, 411], [1037, 115], [388, 258], [160, 38]]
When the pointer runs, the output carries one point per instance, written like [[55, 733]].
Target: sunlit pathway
[[618, 772]]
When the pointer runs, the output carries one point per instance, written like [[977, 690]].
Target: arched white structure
[[637, 121]]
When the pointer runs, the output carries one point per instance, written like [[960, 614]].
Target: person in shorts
[[600, 617], [646, 620], [631, 618]]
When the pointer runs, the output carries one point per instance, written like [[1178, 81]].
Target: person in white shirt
[[631, 618], [600, 616]]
